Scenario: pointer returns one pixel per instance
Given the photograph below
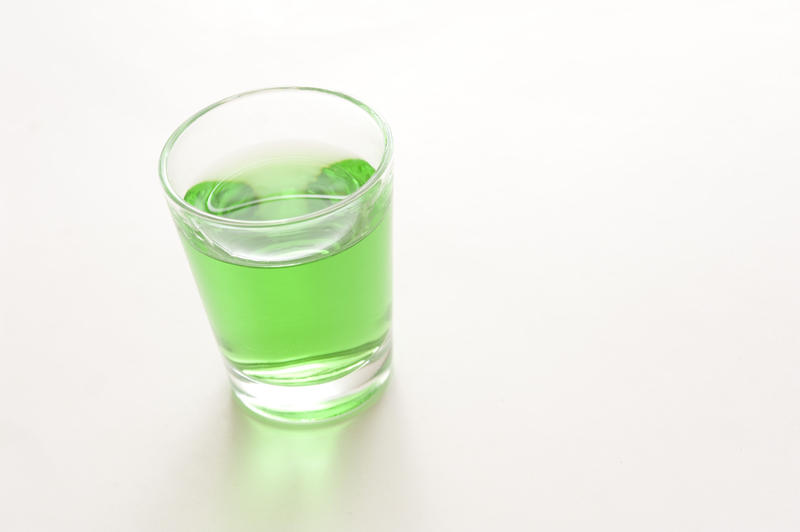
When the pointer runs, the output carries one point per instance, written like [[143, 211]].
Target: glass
[[290, 247]]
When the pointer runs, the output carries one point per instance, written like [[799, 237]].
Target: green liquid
[[303, 323]]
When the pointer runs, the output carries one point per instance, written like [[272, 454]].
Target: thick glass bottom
[[307, 402]]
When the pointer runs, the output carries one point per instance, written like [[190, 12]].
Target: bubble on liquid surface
[[222, 197], [342, 178]]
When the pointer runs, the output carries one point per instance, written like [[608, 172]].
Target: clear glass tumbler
[[282, 199]]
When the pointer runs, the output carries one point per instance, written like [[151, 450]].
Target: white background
[[597, 269]]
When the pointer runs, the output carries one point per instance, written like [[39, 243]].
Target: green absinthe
[[289, 317]]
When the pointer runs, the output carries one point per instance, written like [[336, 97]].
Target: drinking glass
[[301, 305]]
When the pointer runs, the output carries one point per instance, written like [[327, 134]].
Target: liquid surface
[[280, 189], [301, 323]]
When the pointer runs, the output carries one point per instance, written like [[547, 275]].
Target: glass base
[[314, 403]]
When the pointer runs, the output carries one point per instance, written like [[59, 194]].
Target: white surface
[[597, 270]]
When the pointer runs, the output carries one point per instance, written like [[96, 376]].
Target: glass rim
[[381, 169]]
